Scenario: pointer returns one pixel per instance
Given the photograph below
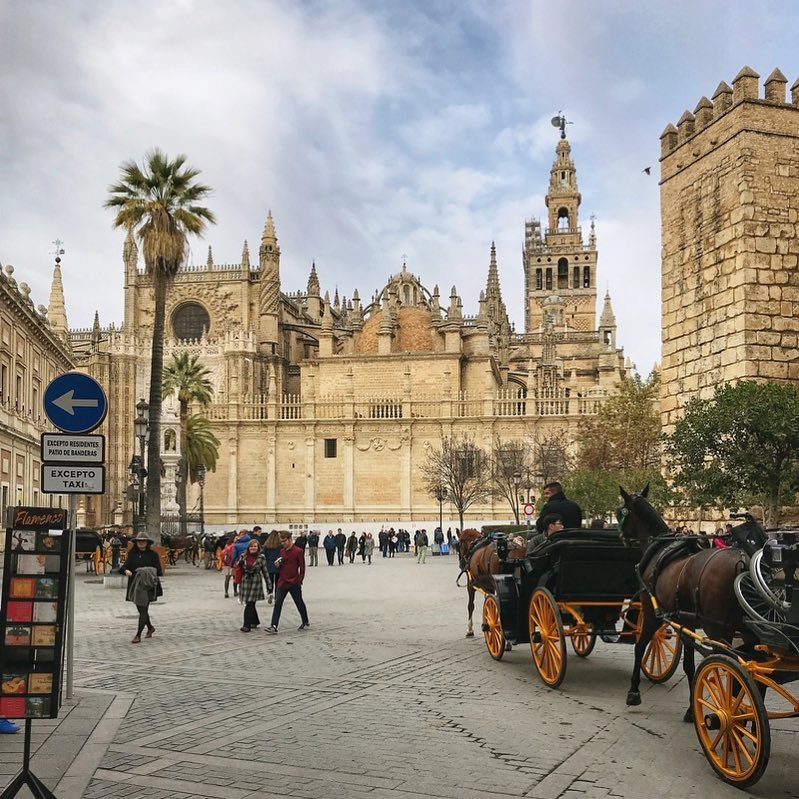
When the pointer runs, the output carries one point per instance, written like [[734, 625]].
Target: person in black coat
[[142, 589], [557, 503]]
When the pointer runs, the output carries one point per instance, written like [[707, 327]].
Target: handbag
[[159, 590]]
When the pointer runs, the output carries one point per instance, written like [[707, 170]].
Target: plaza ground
[[384, 699]]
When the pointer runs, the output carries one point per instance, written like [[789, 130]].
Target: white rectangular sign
[[64, 479], [72, 448]]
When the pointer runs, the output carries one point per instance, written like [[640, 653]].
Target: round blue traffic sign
[[75, 403]]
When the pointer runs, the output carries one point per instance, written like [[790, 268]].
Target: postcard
[[45, 611], [41, 656], [31, 564], [12, 707], [14, 683], [36, 707], [22, 588], [43, 635], [46, 542], [18, 635], [23, 540], [46, 588], [19, 611], [40, 683], [52, 564]]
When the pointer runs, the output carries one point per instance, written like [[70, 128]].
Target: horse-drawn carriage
[[580, 585], [90, 548]]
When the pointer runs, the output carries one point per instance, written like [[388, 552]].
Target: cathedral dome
[[413, 331]]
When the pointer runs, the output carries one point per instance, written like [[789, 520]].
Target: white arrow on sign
[[67, 402]]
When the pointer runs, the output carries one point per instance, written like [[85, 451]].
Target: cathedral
[[325, 407]]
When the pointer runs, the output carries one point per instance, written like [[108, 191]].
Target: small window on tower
[[539, 281], [549, 280], [563, 220], [587, 277], [330, 447], [576, 277], [563, 273]]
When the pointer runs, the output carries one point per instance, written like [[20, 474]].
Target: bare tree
[[461, 470], [550, 455], [511, 467]]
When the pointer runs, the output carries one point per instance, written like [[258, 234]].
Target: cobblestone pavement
[[384, 698]]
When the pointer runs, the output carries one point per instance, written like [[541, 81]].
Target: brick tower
[[729, 210]]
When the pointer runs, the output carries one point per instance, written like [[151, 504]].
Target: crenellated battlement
[[745, 89]]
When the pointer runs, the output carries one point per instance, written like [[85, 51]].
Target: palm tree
[[158, 203], [202, 446], [189, 379]]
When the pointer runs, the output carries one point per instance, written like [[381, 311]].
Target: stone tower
[[729, 211], [560, 263]]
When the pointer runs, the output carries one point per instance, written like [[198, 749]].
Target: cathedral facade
[[326, 407]]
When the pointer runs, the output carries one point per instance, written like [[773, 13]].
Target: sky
[[373, 131]]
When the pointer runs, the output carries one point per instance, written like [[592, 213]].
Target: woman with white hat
[[143, 568]]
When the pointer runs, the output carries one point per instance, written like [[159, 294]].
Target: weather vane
[[560, 122], [59, 250]]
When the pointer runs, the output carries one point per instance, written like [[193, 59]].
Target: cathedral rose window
[[190, 321]]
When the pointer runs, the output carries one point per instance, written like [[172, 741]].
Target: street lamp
[[517, 479], [133, 490], [441, 495], [140, 425], [201, 482], [181, 515]]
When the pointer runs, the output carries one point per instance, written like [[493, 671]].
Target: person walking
[[369, 548], [302, 541], [352, 546], [313, 548], [422, 542], [209, 548], [557, 503], [142, 567], [392, 542], [382, 538], [227, 567], [292, 572], [253, 569], [330, 547], [239, 548], [271, 554], [341, 542], [362, 547]]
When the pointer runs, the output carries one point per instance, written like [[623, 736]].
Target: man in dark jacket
[[313, 548], [341, 540], [556, 503]]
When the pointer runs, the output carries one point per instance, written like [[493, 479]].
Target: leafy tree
[[202, 446], [158, 203], [460, 468], [626, 433], [739, 448], [189, 380]]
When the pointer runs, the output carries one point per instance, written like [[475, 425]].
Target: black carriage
[[90, 548], [579, 584]]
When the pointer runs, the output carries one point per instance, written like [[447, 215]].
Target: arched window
[[539, 280], [576, 277], [563, 273], [190, 321], [586, 277], [563, 220], [406, 293], [549, 279]]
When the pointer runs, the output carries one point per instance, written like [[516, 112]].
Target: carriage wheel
[[583, 640], [731, 721], [754, 604], [547, 642], [662, 656], [492, 628]]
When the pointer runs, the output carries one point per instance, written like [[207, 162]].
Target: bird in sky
[[646, 169]]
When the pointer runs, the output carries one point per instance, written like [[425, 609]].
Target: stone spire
[[563, 198], [56, 308], [495, 307], [96, 328], [210, 260], [269, 300], [130, 252], [245, 256], [313, 281], [607, 323]]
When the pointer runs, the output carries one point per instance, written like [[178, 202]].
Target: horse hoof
[[508, 646], [470, 635], [689, 716], [633, 698]]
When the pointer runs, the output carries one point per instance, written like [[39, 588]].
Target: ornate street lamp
[[140, 425], [134, 488], [201, 482], [517, 479], [181, 515], [441, 495]]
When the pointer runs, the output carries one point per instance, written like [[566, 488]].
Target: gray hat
[[141, 536]]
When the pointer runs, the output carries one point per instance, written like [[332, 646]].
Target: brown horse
[[477, 555], [694, 587]]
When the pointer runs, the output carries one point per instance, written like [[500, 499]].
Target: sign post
[[73, 464]]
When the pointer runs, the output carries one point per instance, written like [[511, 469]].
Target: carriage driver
[[556, 502], [553, 522]]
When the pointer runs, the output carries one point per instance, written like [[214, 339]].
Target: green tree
[[739, 448], [158, 203], [460, 468], [189, 380], [626, 433], [202, 446]]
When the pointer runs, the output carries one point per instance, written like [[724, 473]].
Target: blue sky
[[372, 130]]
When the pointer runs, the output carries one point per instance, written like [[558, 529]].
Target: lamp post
[[133, 490], [201, 482], [517, 479], [441, 495], [181, 515], [140, 425]]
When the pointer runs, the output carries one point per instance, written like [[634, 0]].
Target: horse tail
[[458, 578]]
